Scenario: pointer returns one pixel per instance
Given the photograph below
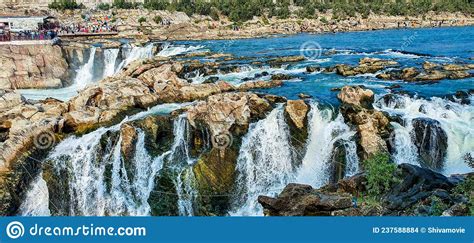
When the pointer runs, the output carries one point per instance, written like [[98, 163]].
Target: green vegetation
[[65, 4], [437, 206], [104, 6], [123, 4], [466, 188], [380, 174], [141, 20], [243, 10], [157, 19]]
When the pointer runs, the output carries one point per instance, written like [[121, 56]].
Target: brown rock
[[355, 95], [303, 200], [297, 111]]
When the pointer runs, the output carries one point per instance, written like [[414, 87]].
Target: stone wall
[[32, 66]]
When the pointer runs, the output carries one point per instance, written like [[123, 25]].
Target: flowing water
[[267, 162], [324, 132], [170, 50], [457, 120], [100, 183], [97, 178], [135, 53], [36, 202], [110, 61]]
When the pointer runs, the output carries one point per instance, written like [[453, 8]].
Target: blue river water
[[409, 47]]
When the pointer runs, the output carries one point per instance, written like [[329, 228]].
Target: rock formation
[[32, 66], [372, 126], [420, 191]]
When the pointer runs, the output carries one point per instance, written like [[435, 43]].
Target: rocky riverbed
[[186, 130]]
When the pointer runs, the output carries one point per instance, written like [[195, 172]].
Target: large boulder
[[373, 127], [356, 96], [9, 99], [416, 184], [224, 111], [431, 141], [303, 200], [297, 110], [366, 65]]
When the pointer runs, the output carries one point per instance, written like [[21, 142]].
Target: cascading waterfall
[[110, 59], [37, 199], [324, 133], [90, 193], [455, 119], [84, 75], [265, 162], [405, 148], [86, 160], [136, 53], [181, 164]]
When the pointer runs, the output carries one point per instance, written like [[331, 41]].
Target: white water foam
[[266, 159], [169, 50], [110, 59], [135, 53], [456, 120], [36, 202], [86, 166], [323, 135], [265, 162]]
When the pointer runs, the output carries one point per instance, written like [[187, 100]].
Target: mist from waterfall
[[456, 119]]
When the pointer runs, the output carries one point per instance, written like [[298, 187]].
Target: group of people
[[28, 35], [49, 31]]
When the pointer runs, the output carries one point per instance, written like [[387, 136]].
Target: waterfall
[[403, 144], [37, 199], [456, 120], [181, 164], [110, 58], [88, 184], [84, 75], [136, 53], [97, 178], [324, 133], [186, 191], [265, 162]]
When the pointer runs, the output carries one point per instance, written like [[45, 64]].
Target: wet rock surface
[[373, 127], [389, 70], [431, 141]]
